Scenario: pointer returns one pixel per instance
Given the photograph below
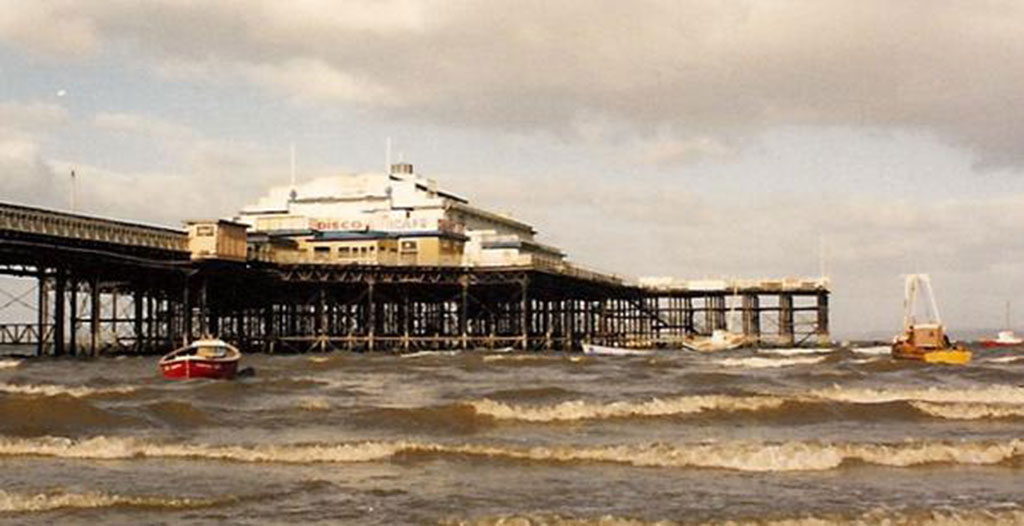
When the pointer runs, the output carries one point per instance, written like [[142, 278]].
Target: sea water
[[822, 437]]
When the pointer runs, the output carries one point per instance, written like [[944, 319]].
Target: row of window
[[354, 252]]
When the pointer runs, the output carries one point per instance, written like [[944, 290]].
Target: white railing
[[736, 285]]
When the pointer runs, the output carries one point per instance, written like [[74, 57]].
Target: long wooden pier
[[112, 286]]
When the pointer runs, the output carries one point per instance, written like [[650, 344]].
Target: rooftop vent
[[401, 168]]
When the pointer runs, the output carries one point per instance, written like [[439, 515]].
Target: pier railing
[[50, 223]]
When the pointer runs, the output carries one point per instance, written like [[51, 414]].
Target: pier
[[109, 286]]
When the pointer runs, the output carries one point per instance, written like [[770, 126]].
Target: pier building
[[397, 218], [365, 262]]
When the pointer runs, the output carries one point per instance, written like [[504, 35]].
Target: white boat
[[720, 340], [601, 350], [1006, 337]]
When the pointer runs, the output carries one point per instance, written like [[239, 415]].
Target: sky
[[686, 138]]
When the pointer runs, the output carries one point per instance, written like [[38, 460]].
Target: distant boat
[[925, 341], [1005, 337], [601, 350], [720, 340], [204, 358]]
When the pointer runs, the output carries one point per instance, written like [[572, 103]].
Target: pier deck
[[114, 286]]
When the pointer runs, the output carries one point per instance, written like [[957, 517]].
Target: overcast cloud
[[690, 138]]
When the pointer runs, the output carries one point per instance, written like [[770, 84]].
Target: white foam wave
[[759, 457], [22, 502], [1005, 359], [978, 517], [997, 394], [969, 411], [426, 354], [517, 358], [55, 390], [878, 349], [543, 519], [107, 448], [314, 403], [583, 410], [319, 359], [740, 456], [9, 364], [757, 362], [796, 351]]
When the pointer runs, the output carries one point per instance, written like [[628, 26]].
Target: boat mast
[[931, 298], [909, 298], [919, 284]]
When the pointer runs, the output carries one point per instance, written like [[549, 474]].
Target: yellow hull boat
[[925, 342], [951, 355]]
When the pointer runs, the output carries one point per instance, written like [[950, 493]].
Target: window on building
[[204, 230], [408, 246], [321, 252], [343, 251]]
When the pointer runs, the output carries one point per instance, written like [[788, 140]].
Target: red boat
[[206, 358]]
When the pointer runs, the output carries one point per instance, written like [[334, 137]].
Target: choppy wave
[[873, 518], [996, 394], [178, 413], [970, 411], [27, 502], [9, 364], [56, 414], [796, 351], [758, 362], [582, 410], [314, 403], [428, 354], [739, 456], [878, 349], [1005, 359], [762, 457], [55, 390], [544, 519], [108, 448]]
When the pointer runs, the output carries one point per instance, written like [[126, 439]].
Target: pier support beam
[[464, 312], [371, 305], [752, 317], [186, 305], [73, 318], [94, 315], [822, 328], [139, 298], [60, 284], [786, 333], [42, 311], [524, 311]]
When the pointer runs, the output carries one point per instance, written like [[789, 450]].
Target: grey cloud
[[723, 70]]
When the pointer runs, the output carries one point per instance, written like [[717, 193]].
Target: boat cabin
[[926, 336]]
